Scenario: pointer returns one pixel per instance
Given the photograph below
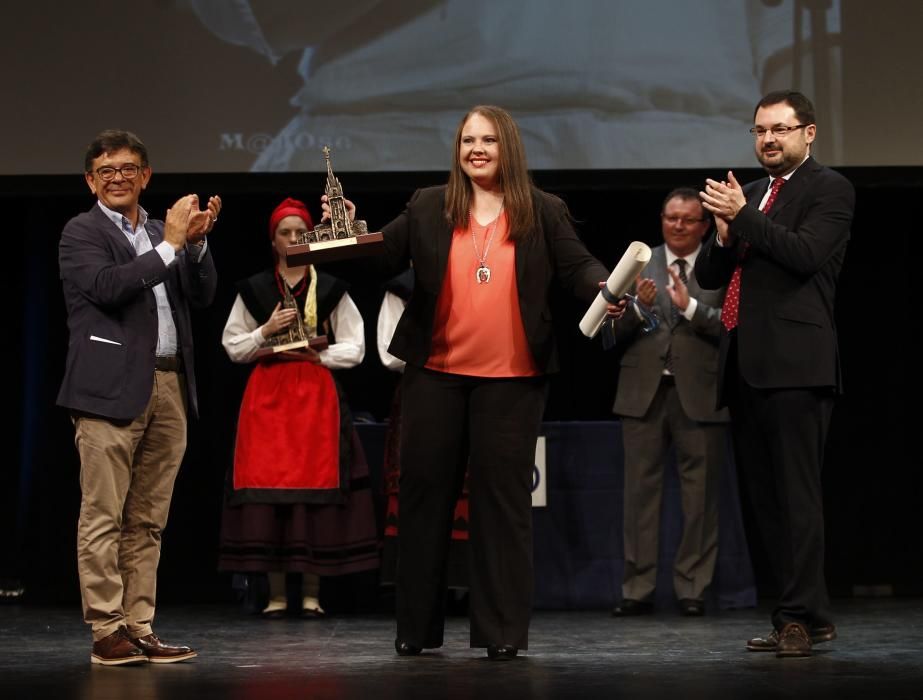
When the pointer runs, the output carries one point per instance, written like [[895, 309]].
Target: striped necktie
[[675, 312], [681, 271]]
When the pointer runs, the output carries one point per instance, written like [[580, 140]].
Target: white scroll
[[635, 259]]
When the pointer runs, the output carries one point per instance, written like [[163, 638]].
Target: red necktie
[[729, 311]]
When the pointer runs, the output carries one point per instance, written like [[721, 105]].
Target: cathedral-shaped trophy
[[296, 336], [336, 239]]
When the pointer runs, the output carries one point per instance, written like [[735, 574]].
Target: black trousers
[[490, 426], [779, 439]]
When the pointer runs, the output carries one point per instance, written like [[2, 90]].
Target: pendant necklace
[[482, 273]]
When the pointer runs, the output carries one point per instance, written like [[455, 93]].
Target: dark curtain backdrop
[[872, 480]]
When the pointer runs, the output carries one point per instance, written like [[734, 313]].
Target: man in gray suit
[[666, 396]]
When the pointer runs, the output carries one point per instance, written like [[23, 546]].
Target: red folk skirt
[[300, 496]]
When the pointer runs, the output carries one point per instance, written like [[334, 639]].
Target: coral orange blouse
[[478, 328]]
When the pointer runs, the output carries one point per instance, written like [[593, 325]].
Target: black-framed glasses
[[688, 220], [778, 131], [129, 172]]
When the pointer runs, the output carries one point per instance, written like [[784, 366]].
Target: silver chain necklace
[[482, 273]]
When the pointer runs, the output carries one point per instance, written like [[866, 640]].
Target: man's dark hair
[[684, 193], [112, 140], [804, 110]]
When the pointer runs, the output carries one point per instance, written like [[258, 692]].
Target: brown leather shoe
[[116, 650], [819, 635], [768, 643], [794, 641], [159, 652]]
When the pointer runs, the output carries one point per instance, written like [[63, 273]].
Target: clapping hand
[[177, 220], [679, 293], [646, 290], [200, 223], [723, 199]]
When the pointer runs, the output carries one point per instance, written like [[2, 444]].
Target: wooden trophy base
[[331, 251], [317, 344]]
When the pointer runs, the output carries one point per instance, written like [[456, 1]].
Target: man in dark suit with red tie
[[779, 248]]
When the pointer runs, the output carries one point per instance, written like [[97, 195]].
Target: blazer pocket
[[99, 369], [99, 339]]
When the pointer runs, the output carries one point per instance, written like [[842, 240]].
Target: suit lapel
[[756, 191], [524, 252], [657, 271], [692, 285], [521, 256], [442, 241], [111, 230], [155, 236], [791, 190]]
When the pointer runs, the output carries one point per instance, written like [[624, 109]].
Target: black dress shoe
[[690, 607], [405, 649], [630, 607], [501, 652]]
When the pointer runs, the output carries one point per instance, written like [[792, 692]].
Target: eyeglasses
[[129, 172], [777, 131], [688, 220]]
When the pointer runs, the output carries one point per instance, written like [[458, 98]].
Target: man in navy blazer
[[129, 282], [779, 248]]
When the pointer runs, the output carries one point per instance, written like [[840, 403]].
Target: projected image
[[592, 84], [263, 85]]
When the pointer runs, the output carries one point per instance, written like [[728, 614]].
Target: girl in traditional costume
[[299, 498]]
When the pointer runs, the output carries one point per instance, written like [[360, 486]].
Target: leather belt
[[168, 363]]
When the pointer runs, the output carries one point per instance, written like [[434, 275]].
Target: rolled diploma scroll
[[635, 259]]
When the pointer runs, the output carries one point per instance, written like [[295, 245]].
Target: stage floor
[[44, 653]]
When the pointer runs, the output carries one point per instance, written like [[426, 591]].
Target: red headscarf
[[289, 207]]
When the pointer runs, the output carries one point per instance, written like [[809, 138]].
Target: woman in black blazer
[[487, 250]]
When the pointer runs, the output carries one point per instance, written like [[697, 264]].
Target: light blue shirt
[[140, 240]]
